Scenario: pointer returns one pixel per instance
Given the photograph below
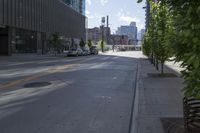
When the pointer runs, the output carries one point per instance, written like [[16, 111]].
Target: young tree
[[101, 45], [89, 43], [177, 25], [163, 51], [146, 47], [82, 43], [56, 42], [157, 31]]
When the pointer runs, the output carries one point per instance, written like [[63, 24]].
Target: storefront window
[[25, 41]]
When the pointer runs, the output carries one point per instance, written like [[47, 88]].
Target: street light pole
[[102, 38], [102, 43]]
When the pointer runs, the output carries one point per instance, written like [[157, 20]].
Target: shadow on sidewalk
[[169, 72], [160, 99]]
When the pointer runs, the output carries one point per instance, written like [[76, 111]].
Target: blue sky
[[121, 12]]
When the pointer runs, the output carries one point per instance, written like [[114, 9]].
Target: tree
[[146, 47], [163, 50], [90, 43], [155, 40], [177, 30], [186, 43], [82, 43], [101, 45], [56, 42]]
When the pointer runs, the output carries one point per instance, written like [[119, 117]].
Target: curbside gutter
[[135, 106]]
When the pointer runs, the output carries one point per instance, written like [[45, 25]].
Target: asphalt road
[[91, 94]]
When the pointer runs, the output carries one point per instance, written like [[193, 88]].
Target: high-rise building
[[26, 25], [129, 30], [142, 33], [141, 36], [119, 40], [133, 24], [78, 5], [147, 13], [95, 34]]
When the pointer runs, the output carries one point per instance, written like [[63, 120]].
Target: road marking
[[47, 72]]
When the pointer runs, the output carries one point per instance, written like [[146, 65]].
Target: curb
[[135, 108]]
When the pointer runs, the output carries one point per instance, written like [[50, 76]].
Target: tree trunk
[[151, 58], [162, 68], [154, 61], [157, 63]]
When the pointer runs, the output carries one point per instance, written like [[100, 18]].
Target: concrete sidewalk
[[157, 98]]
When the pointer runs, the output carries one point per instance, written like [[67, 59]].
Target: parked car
[[80, 52], [94, 50], [86, 52], [75, 52]]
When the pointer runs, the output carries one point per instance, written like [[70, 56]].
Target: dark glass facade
[[28, 23], [25, 41], [77, 5]]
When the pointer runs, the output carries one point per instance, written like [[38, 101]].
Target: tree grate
[[165, 75]]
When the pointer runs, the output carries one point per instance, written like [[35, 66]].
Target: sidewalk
[[158, 98]]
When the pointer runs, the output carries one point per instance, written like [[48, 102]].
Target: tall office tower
[[129, 30], [147, 14], [77, 5]]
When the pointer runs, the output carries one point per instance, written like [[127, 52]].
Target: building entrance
[[4, 45], [4, 49]]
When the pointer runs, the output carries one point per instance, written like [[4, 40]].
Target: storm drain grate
[[165, 75], [37, 84]]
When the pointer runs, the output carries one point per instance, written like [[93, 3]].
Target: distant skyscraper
[[133, 24], [129, 30], [142, 33], [147, 13]]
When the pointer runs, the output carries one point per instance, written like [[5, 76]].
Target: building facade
[[129, 30], [25, 25], [95, 34], [77, 5], [147, 14], [142, 33], [119, 40]]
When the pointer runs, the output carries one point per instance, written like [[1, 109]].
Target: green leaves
[[174, 29], [187, 47], [195, 39], [186, 33], [196, 64], [198, 11], [156, 41]]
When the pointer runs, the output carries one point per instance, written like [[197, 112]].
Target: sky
[[121, 12]]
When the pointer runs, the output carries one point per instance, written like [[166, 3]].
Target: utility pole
[[107, 31], [102, 43]]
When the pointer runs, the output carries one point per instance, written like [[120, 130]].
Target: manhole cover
[[165, 75], [37, 84]]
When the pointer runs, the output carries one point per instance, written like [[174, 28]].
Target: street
[[89, 94]]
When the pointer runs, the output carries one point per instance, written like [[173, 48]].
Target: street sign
[[103, 20]]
